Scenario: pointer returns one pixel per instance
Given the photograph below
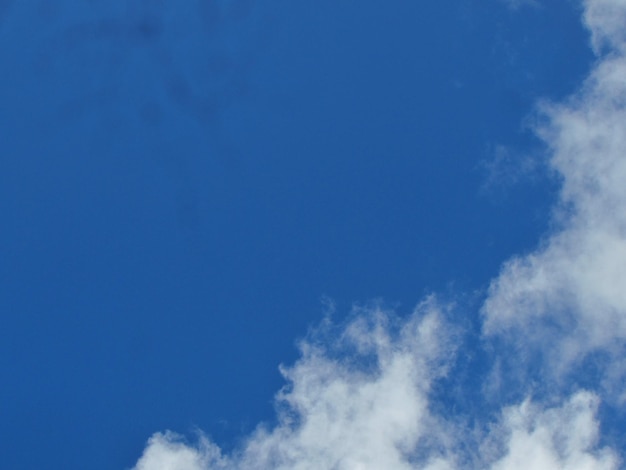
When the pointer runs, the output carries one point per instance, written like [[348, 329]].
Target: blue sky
[[415, 210]]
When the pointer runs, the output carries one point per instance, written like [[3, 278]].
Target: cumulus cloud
[[363, 396], [568, 295], [555, 438], [358, 398], [168, 451], [367, 408]]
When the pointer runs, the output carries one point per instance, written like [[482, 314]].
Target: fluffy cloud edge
[[566, 298], [361, 397]]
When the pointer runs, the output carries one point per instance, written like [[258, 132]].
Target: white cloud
[[359, 401], [557, 438], [568, 296], [605, 19], [340, 414], [168, 452], [363, 402], [362, 397]]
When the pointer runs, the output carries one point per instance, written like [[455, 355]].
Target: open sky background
[[192, 193]]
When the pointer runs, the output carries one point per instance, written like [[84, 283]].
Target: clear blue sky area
[[182, 184]]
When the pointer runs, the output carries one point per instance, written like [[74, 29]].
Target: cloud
[[361, 397], [357, 398], [605, 19], [562, 437], [364, 395], [506, 168], [339, 413], [516, 4], [168, 451], [567, 297]]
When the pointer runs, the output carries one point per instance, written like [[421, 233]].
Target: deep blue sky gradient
[[182, 185]]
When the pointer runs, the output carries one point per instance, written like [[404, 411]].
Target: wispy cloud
[[605, 19], [362, 396], [516, 4]]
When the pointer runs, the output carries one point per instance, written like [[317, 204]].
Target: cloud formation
[[357, 398], [556, 438], [568, 295], [167, 451], [362, 396]]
